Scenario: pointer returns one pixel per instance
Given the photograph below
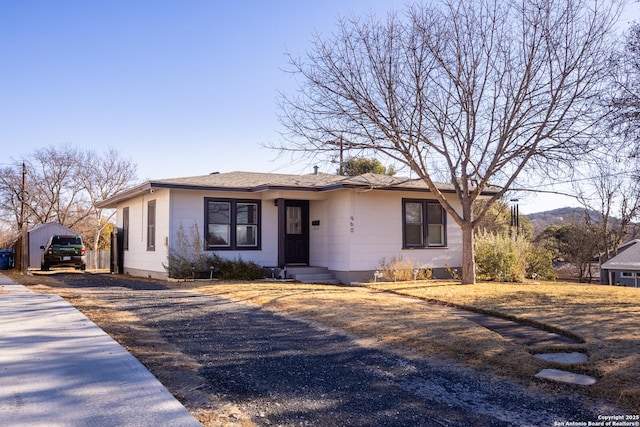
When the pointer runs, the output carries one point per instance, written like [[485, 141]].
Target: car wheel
[[83, 267], [44, 267]]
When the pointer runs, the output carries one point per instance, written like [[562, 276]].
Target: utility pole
[[24, 249]]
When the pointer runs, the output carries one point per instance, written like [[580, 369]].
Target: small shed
[[624, 267], [39, 235]]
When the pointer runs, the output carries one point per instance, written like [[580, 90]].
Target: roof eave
[[147, 187], [112, 202]]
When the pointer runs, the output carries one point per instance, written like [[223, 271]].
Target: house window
[[151, 225], [247, 225], [232, 224], [125, 228], [219, 224], [423, 224], [627, 274]]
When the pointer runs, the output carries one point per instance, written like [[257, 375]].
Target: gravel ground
[[276, 370]]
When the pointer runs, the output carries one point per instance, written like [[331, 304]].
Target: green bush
[[235, 269], [499, 257], [540, 263]]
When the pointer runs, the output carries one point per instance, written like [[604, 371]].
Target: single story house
[[624, 267], [347, 225]]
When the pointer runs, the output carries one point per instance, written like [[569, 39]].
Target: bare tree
[[101, 177], [7, 236], [625, 95], [11, 196], [63, 184], [612, 189], [470, 93], [53, 193]]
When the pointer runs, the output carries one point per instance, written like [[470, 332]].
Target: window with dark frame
[[125, 228], [218, 224], [423, 224], [246, 224], [232, 224], [151, 225]]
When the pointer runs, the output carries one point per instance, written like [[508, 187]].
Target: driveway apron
[[58, 369]]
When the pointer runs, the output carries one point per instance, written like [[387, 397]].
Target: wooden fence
[[98, 260]]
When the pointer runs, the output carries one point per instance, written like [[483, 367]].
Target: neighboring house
[[624, 267], [346, 225], [39, 235]]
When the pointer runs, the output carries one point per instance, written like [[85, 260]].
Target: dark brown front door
[[294, 230]]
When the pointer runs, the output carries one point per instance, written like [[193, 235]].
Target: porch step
[[312, 275]]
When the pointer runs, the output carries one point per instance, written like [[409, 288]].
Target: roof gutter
[[147, 187], [112, 202]]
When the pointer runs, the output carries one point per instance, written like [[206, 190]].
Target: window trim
[[233, 224], [425, 203], [151, 225]]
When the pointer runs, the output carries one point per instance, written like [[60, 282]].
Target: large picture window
[[232, 224], [423, 224]]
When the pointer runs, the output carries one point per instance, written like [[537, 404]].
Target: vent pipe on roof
[[315, 170], [214, 173]]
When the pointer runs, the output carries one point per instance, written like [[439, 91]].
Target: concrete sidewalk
[[57, 368]]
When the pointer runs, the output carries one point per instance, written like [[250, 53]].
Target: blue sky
[[182, 87]]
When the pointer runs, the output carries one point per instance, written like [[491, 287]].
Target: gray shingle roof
[[256, 182], [628, 259]]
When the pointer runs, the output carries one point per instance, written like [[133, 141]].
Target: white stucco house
[[345, 225]]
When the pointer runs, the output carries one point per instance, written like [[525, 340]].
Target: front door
[[294, 230]]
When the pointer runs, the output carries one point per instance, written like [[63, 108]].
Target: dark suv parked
[[64, 251]]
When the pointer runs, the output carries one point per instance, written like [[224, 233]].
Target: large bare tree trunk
[[468, 256]]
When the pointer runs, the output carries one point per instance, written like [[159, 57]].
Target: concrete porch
[[309, 274]]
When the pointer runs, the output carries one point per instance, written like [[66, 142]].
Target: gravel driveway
[[284, 371]]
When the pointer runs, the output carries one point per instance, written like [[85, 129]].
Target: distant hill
[[542, 220]]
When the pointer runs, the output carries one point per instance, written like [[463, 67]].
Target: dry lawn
[[607, 318]]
